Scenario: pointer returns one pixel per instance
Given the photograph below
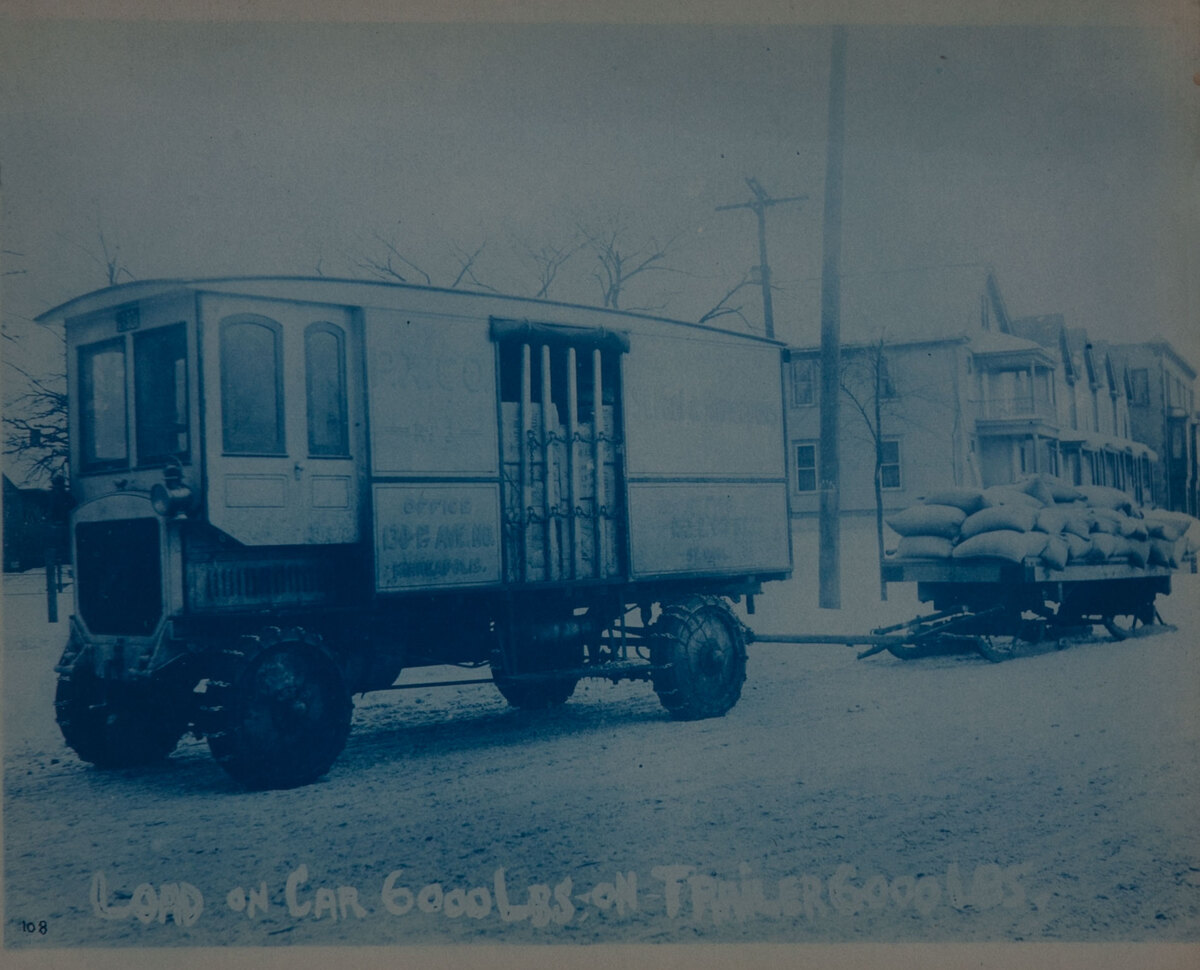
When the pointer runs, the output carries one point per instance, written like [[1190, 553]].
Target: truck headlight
[[171, 497]]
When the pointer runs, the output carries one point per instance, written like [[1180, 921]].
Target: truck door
[[561, 452], [282, 428]]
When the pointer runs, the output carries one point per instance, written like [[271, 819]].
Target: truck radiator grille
[[118, 576]]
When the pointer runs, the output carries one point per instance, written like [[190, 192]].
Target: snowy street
[[1049, 798]]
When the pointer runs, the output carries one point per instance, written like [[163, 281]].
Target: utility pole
[[829, 525], [759, 204]]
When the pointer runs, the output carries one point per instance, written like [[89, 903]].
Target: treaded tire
[[116, 725], [276, 713], [698, 648]]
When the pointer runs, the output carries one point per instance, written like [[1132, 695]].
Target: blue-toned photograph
[[599, 483]]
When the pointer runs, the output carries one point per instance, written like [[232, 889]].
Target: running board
[[615, 671]]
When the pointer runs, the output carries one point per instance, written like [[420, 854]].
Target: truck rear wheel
[[698, 651], [115, 725], [277, 714]]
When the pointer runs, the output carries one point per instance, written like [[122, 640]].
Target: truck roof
[[324, 289]]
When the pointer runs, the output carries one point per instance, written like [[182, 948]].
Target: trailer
[[1002, 609], [289, 490]]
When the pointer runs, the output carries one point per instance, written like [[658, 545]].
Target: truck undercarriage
[[272, 695]]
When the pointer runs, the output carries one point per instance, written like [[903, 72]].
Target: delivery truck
[[290, 490]]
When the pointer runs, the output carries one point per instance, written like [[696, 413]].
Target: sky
[[1063, 157]]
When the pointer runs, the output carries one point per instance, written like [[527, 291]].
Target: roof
[[1006, 352], [1129, 353], [323, 289], [1047, 330], [1097, 441], [990, 342], [905, 306]]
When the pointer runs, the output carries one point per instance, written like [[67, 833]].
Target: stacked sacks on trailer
[[1039, 518]]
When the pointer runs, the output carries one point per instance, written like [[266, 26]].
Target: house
[[1162, 413], [1096, 443], [31, 526], [957, 392]]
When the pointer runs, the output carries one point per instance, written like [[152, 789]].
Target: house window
[[104, 441], [325, 382], [251, 386], [160, 393], [806, 467], [1140, 381], [803, 388], [889, 463]]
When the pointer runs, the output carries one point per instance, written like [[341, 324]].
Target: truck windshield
[[160, 399], [104, 440], [160, 396]]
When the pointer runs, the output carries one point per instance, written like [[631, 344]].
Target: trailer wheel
[[114, 725], [277, 712], [698, 650]]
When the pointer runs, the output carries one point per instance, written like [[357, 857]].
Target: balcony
[[1015, 414], [1015, 406]]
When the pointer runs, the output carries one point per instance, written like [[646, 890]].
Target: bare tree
[[548, 260], [866, 383], [35, 420], [723, 307], [620, 261], [35, 425], [466, 267], [389, 260], [390, 263], [111, 258], [107, 256]]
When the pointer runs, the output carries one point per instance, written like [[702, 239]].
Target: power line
[[759, 204]]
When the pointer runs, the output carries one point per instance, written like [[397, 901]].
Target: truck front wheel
[[698, 651], [116, 725], [277, 711]]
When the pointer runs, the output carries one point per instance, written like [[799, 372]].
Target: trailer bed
[[1005, 572], [1003, 609]]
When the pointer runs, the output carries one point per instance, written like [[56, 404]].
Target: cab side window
[[251, 386]]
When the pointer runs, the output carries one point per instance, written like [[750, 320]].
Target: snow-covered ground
[[1050, 798]]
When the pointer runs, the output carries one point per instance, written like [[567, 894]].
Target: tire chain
[[683, 613], [230, 662]]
